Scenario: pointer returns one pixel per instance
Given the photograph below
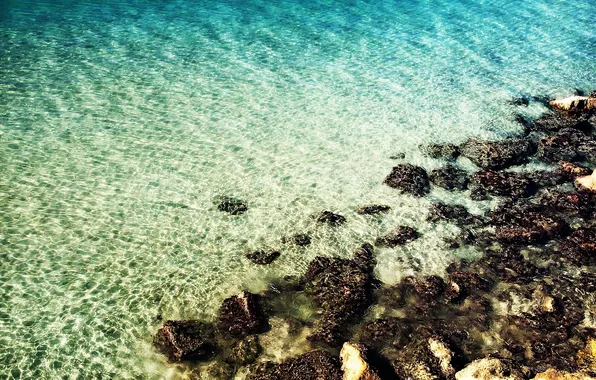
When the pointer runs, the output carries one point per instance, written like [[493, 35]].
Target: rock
[[488, 369], [400, 236], [456, 213], [314, 365], [428, 287], [587, 182], [373, 209], [587, 150], [575, 104], [576, 203], [561, 147], [547, 178], [520, 100], [441, 151], [385, 332], [354, 363], [246, 351], [533, 228], [241, 315], [262, 257], [497, 154], [449, 177], [440, 351], [342, 289], [301, 240], [331, 218], [398, 156], [586, 358], [556, 122], [462, 284], [216, 370], [503, 183], [232, 205], [185, 340], [573, 171], [580, 247], [419, 362], [553, 374], [408, 179]]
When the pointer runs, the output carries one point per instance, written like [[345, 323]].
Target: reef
[[525, 309]]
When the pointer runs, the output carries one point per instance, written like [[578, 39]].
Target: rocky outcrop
[[400, 236], [563, 146], [314, 365], [497, 154], [262, 257], [575, 104], [373, 209], [231, 205], [185, 340], [454, 213], [449, 177], [488, 369], [409, 179], [241, 315], [509, 184], [354, 363], [441, 151], [587, 182], [331, 218]]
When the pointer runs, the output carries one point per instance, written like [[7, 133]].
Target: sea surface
[[121, 122]]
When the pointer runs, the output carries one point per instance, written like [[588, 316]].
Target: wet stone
[[241, 315], [441, 151], [444, 212], [555, 122], [503, 183], [400, 236], [386, 332], [449, 177], [408, 179], [312, 365], [331, 218], [232, 206], [246, 351], [532, 228], [573, 171], [373, 209], [185, 340], [580, 247], [462, 284], [497, 154], [564, 146], [262, 257]]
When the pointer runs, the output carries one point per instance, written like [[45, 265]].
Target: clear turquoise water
[[119, 124]]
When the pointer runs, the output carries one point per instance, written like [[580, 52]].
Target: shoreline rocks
[[409, 179]]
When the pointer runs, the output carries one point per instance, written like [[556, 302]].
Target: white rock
[[588, 182], [575, 104], [486, 369], [354, 365]]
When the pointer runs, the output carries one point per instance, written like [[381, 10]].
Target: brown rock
[[575, 104]]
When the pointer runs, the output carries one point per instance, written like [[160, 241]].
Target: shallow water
[[120, 123]]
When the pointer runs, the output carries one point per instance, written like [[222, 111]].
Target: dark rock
[[449, 177], [577, 203], [232, 205], [216, 370], [456, 213], [509, 265], [314, 365], [503, 183], [262, 257], [342, 289], [331, 218], [246, 351], [398, 156], [429, 287], [587, 150], [441, 151], [512, 212], [547, 178], [462, 284], [409, 179], [580, 247], [497, 154], [387, 332], [301, 240], [532, 228], [373, 209], [400, 236], [185, 340], [561, 147], [241, 315], [554, 122], [478, 194], [520, 100], [573, 171]]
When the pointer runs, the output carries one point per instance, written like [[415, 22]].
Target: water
[[120, 123]]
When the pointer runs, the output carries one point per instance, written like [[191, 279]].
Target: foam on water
[[120, 123]]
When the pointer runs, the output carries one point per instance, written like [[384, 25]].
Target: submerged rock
[[456, 213], [331, 218], [497, 154], [262, 257], [185, 340], [462, 284], [575, 104], [231, 205], [246, 351], [503, 183], [400, 236], [354, 363], [532, 228], [373, 209], [489, 369], [241, 315], [314, 365], [441, 151], [342, 289], [385, 332], [408, 179], [449, 177]]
